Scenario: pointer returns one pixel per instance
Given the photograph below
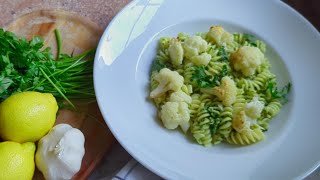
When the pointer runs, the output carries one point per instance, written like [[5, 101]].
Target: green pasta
[[216, 85], [246, 138], [225, 126], [195, 105]]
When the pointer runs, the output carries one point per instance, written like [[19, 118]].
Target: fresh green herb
[[215, 119], [250, 39], [223, 54], [157, 65], [200, 77], [224, 71], [204, 80], [279, 94], [26, 66], [59, 43]]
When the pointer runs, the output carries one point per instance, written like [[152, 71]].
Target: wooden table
[[100, 11]]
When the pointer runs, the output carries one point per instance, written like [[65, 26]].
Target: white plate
[[121, 76]]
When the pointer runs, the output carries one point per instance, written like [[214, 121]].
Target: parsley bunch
[[27, 66]]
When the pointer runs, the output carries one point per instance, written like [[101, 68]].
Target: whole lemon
[[27, 116], [17, 160]]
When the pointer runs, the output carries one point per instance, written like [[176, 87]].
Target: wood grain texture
[[99, 11], [78, 34]]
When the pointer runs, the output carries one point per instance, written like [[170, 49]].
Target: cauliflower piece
[[185, 125], [174, 114], [175, 52], [202, 59], [219, 36], [168, 80], [239, 121], [247, 59], [180, 96], [254, 108], [226, 92], [242, 123], [193, 46]]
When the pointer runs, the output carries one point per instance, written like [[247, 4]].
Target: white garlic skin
[[60, 152]]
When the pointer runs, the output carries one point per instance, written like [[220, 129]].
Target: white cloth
[[134, 171], [119, 165]]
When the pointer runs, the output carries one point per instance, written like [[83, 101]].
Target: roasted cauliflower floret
[[239, 121], [242, 123], [175, 52], [180, 96], [254, 108], [226, 92], [174, 114], [247, 59], [202, 59], [168, 80], [194, 46], [219, 36]]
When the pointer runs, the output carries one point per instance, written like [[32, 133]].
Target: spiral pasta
[[263, 122], [206, 98], [214, 52], [240, 102], [246, 138], [163, 55], [217, 67], [260, 81], [195, 105], [249, 40], [208, 118], [273, 108], [201, 127], [189, 69], [225, 127], [214, 68]]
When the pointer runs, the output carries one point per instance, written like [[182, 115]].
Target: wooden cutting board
[[78, 34]]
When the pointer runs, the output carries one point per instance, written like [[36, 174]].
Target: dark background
[[309, 9]]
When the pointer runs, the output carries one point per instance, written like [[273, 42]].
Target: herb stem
[[59, 91], [59, 43]]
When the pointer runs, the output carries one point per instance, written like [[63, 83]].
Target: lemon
[[27, 116], [17, 160]]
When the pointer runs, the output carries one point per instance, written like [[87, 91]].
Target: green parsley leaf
[[204, 80], [214, 118], [250, 39], [158, 65], [27, 66], [279, 94], [223, 54]]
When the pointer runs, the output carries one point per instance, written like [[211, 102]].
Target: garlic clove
[[60, 152]]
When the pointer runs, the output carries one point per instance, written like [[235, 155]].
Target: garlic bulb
[[60, 152]]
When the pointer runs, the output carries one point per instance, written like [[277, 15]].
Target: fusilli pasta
[[249, 85]]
